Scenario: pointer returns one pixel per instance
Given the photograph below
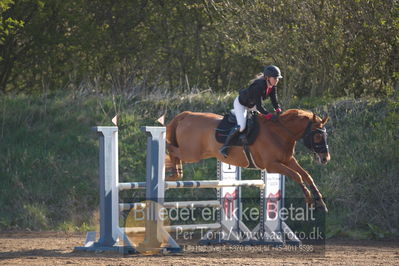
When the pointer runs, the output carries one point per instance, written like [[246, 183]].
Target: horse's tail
[[173, 164]]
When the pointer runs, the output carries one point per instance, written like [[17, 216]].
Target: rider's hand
[[270, 116], [278, 111]]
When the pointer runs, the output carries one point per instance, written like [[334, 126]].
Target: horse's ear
[[325, 120], [314, 118]]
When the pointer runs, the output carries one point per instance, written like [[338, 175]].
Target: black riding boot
[[225, 148], [243, 139]]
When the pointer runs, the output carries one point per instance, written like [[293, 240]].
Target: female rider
[[251, 99]]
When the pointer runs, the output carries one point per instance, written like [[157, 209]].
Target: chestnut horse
[[190, 137]]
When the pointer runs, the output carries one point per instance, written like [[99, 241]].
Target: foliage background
[[336, 48], [66, 66]]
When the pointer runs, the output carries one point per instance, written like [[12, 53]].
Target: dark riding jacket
[[255, 93]]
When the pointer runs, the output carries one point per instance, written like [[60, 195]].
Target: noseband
[[308, 139]]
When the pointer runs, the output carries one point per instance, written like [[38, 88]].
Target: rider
[[251, 99]]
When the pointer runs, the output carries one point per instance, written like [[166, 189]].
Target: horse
[[190, 137]]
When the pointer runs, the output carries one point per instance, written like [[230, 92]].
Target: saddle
[[229, 121]]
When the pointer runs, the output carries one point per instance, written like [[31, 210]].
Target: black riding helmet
[[272, 71]]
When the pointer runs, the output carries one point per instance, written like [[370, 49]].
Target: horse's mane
[[294, 114]]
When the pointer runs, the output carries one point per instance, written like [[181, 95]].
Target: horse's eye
[[317, 138]]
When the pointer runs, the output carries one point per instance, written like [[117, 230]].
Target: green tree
[[325, 48], [8, 29]]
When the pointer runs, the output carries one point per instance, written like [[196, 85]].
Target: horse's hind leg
[[309, 181], [173, 165]]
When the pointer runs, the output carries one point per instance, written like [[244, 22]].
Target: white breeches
[[241, 112]]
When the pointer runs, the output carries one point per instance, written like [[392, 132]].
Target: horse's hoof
[[322, 209], [173, 175], [320, 205]]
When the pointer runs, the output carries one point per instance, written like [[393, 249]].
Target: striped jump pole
[[177, 204], [198, 184]]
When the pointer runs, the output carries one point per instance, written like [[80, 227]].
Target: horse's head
[[315, 138]]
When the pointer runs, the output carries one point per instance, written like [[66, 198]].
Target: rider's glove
[[270, 116]]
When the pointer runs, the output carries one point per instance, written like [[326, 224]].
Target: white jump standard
[[270, 230]]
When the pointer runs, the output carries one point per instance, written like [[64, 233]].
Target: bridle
[[308, 139]]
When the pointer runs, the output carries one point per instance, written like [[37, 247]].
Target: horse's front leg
[[293, 163], [278, 167]]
